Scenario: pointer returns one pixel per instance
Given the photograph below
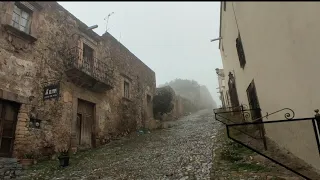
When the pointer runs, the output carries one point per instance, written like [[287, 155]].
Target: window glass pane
[[22, 28], [15, 17], [16, 25], [26, 30], [23, 22], [16, 10], [25, 15], [20, 19]]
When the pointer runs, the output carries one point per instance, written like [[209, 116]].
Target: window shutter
[[240, 51]]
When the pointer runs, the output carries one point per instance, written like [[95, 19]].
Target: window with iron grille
[[21, 19], [241, 55], [126, 89]]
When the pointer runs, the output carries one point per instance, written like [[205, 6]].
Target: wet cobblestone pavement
[[183, 151]]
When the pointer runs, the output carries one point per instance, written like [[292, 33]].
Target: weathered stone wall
[[142, 77], [27, 66]]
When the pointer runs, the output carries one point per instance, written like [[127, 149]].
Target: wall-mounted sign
[[50, 92]]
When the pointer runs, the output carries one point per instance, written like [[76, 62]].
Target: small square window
[[21, 19]]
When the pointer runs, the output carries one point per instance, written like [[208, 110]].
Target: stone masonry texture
[[29, 62]]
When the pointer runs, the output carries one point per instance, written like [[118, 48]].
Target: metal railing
[[241, 114], [250, 132], [92, 66]]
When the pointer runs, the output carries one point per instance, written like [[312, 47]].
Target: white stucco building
[[271, 59]]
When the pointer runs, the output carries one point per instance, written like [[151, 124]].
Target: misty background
[[172, 38]]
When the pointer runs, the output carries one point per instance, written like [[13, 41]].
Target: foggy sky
[[172, 38]]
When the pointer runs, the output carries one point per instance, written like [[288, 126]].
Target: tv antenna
[[107, 19]]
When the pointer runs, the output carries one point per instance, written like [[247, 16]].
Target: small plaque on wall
[[51, 92]]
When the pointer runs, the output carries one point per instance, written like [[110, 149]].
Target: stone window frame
[[32, 8], [22, 10], [126, 79], [126, 89]]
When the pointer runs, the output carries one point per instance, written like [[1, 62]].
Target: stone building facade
[[63, 86]]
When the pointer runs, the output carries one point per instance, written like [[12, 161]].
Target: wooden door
[[8, 120], [85, 122], [78, 130]]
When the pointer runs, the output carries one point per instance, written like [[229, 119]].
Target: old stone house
[[63, 86], [270, 55]]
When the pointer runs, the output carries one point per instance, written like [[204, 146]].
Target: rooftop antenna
[[107, 18]]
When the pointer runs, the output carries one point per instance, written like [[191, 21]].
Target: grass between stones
[[234, 161]]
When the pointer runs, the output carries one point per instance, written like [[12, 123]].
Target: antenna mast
[[107, 19]]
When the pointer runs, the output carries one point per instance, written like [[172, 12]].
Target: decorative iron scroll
[[287, 115], [242, 111], [246, 115], [246, 112]]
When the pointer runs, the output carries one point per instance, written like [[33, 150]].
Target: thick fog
[[172, 38]]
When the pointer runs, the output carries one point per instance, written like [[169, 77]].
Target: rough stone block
[[23, 115], [22, 124], [18, 172], [24, 108], [2, 171], [21, 132], [18, 136], [8, 160], [67, 97]]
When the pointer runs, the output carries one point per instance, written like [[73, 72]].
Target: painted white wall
[[281, 42]]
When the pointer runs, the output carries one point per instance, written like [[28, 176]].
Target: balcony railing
[[91, 71]]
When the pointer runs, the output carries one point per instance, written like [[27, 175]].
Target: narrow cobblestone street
[[182, 151]]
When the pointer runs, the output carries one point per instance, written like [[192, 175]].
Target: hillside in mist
[[192, 90]]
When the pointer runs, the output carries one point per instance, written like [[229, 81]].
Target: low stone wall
[[10, 168]]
